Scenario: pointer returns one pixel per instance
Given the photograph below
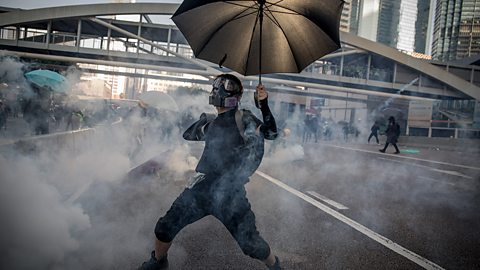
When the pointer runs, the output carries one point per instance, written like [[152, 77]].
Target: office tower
[[422, 26], [388, 22], [400, 24], [368, 21], [354, 16], [457, 29], [403, 24], [345, 17]]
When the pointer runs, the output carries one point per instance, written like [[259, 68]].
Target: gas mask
[[225, 93]]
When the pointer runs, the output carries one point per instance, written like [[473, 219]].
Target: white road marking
[[455, 173], [79, 192], [357, 226], [333, 203], [404, 157], [435, 180]]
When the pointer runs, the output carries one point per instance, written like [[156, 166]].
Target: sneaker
[[154, 264], [381, 150], [276, 266], [397, 152]]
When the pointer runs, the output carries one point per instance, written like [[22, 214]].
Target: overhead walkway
[[96, 34]]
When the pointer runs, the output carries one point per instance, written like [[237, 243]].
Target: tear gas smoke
[[48, 223], [70, 204]]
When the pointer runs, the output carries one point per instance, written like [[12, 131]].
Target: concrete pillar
[[49, 30], [341, 65], [79, 34], [169, 39], [368, 66], [17, 34], [139, 33], [109, 37], [394, 73]]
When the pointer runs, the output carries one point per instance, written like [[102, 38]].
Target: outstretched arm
[[269, 127]]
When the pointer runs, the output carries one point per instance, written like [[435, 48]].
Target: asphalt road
[[335, 207]]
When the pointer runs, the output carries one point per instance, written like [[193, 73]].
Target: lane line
[[455, 173], [357, 226], [435, 180], [404, 157], [333, 203]]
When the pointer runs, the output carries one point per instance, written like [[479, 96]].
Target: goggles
[[228, 85]]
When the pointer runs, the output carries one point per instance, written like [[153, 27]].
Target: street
[[338, 207]]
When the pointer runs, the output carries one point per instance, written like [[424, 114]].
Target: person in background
[[392, 132], [374, 132], [3, 116], [234, 141]]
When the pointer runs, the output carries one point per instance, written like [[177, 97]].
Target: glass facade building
[[346, 15], [457, 29], [402, 24]]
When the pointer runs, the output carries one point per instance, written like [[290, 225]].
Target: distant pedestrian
[[3, 115], [346, 130], [374, 132], [392, 132]]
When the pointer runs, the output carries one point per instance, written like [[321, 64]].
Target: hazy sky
[[29, 4]]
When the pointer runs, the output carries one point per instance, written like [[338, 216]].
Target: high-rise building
[[388, 22], [456, 33], [368, 21], [422, 26], [354, 16], [400, 24], [346, 15]]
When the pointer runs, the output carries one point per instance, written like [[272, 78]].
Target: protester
[[392, 132], [3, 115], [374, 132], [233, 150]]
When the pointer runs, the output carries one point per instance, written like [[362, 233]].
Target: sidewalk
[[447, 144], [456, 154]]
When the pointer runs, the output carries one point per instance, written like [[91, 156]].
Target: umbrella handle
[[262, 3], [260, 16]]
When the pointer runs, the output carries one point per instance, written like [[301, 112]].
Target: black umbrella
[[259, 37]]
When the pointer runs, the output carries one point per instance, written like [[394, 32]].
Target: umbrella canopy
[[258, 37], [48, 79], [159, 100]]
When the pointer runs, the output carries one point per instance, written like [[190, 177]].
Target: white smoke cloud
[[35, 220], [10, 69], [71, 205], [47, 222]]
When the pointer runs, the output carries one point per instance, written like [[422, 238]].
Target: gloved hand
[[260, 94]]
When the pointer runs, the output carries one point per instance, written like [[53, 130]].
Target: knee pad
[[163, 232]]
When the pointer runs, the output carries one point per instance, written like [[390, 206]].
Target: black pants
[[394, 145], [227, 203], [373, 135]]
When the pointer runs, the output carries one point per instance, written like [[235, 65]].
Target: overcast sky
[[29, 4]]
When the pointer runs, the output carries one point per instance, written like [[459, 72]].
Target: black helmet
[[226, 92]]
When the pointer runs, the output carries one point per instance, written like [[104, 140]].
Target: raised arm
[[269, 127]]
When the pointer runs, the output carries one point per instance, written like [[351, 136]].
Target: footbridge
[[106, 34]]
